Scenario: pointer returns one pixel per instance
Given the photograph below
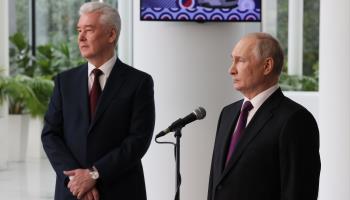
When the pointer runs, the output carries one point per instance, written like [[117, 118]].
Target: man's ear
[[268, 66], [112, 35]]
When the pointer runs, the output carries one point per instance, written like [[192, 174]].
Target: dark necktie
[[95, 91], [241, 124]]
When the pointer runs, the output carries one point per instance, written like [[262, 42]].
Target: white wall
[[334, 99], [310, 100], [189, 64]]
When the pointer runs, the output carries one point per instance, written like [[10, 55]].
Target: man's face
[[94, 38], [247, 69]]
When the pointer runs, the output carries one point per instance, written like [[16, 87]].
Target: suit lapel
[[113, 84], [261, 117], [228, 127], [83, 92]]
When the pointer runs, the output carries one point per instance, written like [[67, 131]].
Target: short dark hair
[[268, 46]]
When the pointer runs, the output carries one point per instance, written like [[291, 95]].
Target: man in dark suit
[[100, 120], [267, 146]]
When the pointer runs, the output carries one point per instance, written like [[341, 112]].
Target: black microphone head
[[200, 112]]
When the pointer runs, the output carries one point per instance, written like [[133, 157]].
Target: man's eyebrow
[[233, 56], [86, 26]]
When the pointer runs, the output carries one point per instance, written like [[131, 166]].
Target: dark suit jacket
[[277, 158], [114, 141]]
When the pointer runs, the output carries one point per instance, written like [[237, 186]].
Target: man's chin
[[85, 55], [236, 86]]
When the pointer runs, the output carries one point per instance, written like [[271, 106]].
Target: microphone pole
[[176, 126], [178, 135]]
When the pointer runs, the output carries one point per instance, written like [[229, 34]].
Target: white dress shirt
[[258, 100], [106, 68]]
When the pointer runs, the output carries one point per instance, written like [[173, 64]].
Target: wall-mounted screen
[[201, 10]]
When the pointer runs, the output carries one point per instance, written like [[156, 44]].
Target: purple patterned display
[[201, 10]]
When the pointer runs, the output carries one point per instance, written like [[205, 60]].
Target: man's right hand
[[80, 181], [91, 195]]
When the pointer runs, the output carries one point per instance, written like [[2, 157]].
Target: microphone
[[198, 113]]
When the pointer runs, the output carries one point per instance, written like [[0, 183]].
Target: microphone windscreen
[[200, 112]]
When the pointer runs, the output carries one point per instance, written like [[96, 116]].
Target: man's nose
[[232, 69], [81, 36]]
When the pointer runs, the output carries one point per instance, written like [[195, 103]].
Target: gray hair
[[268, 46], [109, 15]]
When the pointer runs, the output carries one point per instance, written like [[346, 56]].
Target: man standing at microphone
[[266, 146]]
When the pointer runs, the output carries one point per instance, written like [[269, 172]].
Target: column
[[4, 64], [125, 44], [295, 37], [334, 99]]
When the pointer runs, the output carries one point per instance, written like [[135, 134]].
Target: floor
[[29, 180]]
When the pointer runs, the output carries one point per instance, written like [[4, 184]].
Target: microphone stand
[[178, 135]]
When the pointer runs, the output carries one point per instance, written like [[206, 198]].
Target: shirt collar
[[259, 99], [106, 68]]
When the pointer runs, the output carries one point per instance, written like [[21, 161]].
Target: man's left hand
[[80, 182]]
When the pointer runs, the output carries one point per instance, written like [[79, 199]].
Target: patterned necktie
[[95, 91], [241, 124]]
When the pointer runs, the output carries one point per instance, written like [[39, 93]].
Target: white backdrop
[[189, 63]]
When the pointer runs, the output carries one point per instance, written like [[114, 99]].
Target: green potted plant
[[27, 96], [28, 89], [33, 75], [29, 86]]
